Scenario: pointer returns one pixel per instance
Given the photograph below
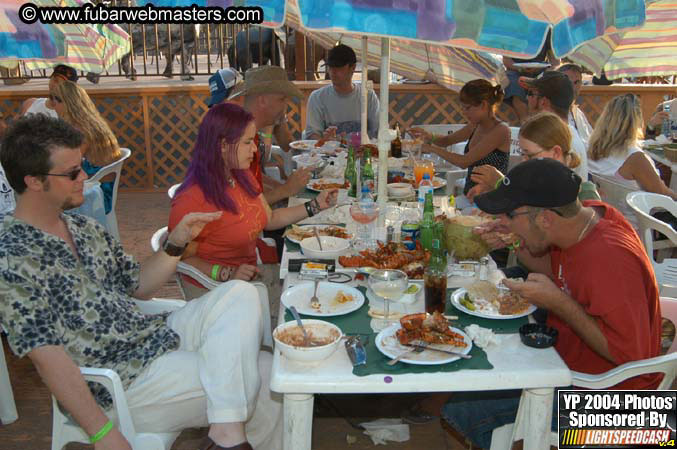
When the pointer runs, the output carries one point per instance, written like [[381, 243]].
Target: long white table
[[516, 366]]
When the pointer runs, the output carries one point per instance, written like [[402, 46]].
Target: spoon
[[395, 360], [295, 313], [317, 236]]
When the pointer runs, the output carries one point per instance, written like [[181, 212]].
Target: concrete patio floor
[[139, 215]]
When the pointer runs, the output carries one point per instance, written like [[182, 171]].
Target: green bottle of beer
[[350, 174], [428, 222], [368, 172]]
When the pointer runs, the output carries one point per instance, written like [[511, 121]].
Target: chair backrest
[[514, 142], [612, 192], [114, 167], [642, 203], [669, 311]]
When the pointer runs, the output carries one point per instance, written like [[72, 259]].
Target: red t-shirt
[[610, 275], [231, 239], [256, 164]]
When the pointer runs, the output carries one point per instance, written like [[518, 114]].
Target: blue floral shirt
[[50, 297]]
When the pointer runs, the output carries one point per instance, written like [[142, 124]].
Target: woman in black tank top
[[488, 138]]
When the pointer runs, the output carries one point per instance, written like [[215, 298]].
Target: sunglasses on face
[[529, 155], [72, 175], [533, 94], [55, 99]]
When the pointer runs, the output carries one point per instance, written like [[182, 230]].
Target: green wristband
[[498, 183], [215, 272], [101, 433], [432, 139], [265, 135]]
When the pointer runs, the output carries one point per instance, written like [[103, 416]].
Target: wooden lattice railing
[[159, 124]]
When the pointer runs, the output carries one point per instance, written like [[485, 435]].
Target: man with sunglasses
[[588, 269], [66, 300], [554, 92]]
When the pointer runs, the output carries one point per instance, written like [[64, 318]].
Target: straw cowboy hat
[[266, 80]]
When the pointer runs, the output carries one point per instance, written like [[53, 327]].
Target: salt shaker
[[484, 269], [390, 230]]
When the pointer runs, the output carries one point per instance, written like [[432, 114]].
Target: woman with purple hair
[[219, 179]]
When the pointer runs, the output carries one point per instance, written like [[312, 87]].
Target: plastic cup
[[423, 166]]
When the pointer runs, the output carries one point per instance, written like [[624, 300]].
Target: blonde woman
[[544, 135], [488, 138], [613, 151], [100, 146]]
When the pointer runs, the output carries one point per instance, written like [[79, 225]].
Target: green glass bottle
[[427, 222], [368, 172], [435, 276], [350, 174]]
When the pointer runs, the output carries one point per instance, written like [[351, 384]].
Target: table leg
[[298, 421], [537, 418]]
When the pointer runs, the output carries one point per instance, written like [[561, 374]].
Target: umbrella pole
[[364, 89], [384, 134]]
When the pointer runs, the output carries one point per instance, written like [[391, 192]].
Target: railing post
[[150, 183]]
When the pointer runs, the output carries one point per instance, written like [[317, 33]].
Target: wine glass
[[364, 213], [389, 284]]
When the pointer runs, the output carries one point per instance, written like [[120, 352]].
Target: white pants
[[217, 375]]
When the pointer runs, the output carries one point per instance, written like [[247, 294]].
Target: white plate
[[439, 182], [311, 183], [387, 343], [299, 296], [532, 65], [456, 301], [330, 147], [319, 228]]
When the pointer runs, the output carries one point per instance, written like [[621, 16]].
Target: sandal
[[414, 415], [208, 444]]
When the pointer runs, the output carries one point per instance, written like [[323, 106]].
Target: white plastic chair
[[116, 168], [65, 430], [503, 437], [615, 193], [156, 242], [171, 192], [8, 413], [515, 152], [443, 128], [642, 203]]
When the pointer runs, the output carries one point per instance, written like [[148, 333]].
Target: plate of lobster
[[434, 331], [393, 255], [323, 146]]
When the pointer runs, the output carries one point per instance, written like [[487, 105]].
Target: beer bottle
[[396, 144], [428, 222], [350, 174], [368, 171]]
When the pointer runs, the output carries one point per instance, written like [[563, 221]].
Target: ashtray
[[538, 335]]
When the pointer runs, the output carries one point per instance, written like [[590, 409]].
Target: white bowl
[[400, 189], [318, 328], [333, 247]]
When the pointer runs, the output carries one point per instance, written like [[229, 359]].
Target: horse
[[241, 58]]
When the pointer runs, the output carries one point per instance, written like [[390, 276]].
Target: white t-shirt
[[581, 149], [578, 120], [40, 106], [326, 108]]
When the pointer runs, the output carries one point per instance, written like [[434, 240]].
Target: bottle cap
[[426, 176], [365, 188]]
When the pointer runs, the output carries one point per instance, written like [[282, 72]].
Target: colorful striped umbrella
[[447, 66], [91, 48], [647, 51], [515, 28]]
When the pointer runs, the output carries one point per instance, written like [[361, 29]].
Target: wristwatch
[[173, 250]]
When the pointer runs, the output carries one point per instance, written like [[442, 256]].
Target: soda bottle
[[428, 222], [350, 175], [665, 128], [435, 275], [368, 171], [396, 144], [425, 186]]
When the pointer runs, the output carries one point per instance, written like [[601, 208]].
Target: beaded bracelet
[[101, 433]]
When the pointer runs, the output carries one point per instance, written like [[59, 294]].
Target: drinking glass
[[364, 214], [390, 285], [422, 166]]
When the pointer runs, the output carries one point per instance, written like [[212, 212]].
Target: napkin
[[383, 430], [482, 337]]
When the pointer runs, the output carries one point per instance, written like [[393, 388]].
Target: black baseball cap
[[553, 85], [540, 182], [65, 72], [341, 55]]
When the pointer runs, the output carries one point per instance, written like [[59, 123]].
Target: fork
[[314, 301], [395, 360], [317, 236]]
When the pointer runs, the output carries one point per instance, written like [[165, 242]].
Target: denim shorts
[[476, 414]]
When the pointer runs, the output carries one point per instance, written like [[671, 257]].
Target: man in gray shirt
[[339, 104]]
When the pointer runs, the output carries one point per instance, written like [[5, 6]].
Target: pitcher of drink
[[422, 166], [435, 275]]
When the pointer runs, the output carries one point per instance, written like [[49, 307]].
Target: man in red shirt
[[589, 270]]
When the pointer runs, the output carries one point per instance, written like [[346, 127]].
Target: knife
[[448, 352]]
